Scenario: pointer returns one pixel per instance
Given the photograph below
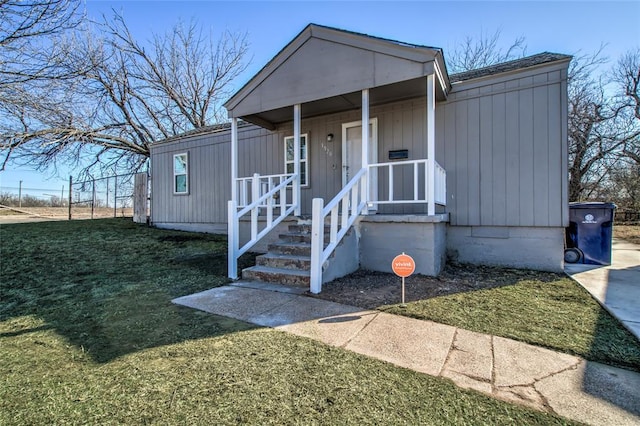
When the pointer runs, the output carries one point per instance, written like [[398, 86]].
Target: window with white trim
[[289, 158], [181, 173]]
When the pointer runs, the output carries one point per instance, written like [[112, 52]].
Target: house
[[472, 166]]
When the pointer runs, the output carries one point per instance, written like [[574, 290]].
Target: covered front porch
[[330, 73]]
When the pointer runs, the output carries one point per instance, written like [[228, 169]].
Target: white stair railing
[[267, 192], [346, 206]]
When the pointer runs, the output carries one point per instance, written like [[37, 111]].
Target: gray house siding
[[505, 152], [208, 186], [501, 139], [505, 149], [401, 125]]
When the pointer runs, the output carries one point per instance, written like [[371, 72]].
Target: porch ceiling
[[377, 96]]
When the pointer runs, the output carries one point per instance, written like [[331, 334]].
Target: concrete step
[[277, 275], [295, 237], [305, 229], [260, 285], [284, 261], [300, 229], [295, 249]]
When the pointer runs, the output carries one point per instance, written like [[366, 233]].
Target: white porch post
[[365, 148], [234, 160], [232, 220], [431, 144], [296, 158]]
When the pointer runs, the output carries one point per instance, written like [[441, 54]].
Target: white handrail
[[275, 197], [420, 193], [244, 186], [348, 203]]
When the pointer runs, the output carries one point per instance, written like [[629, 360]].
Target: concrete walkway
[[513, 371], [616, 287]]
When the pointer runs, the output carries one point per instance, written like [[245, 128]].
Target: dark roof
[[214, 128], [398, 42], [526, 62]]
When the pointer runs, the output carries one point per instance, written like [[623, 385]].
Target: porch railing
[[343, 211], [420, 172], [267, 192], [253, 187]]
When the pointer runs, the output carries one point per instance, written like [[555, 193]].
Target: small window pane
[[181, 183], [303, 150], [289, 143], [289, 158], [180, 164]]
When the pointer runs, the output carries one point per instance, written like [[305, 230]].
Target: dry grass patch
[[630, 233]]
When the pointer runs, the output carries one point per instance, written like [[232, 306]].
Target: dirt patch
[[369, 289], [59, 213]]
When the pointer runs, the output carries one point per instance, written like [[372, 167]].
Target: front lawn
[[88, 335], [543, 309]]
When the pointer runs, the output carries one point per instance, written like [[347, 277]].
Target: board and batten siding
[[209, 175], [503, 143], [401, 125]]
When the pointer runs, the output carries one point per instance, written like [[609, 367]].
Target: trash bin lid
[[592, 205]]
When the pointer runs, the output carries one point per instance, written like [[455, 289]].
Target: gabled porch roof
[[326, 69]]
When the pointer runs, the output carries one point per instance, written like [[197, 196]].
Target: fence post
[[115, 197], [93, 196], [70, 194], [140, 198]]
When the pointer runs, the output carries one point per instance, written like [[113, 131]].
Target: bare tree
[[594, 138], [473, 53], [627, 76], [125, 96], [26, 29]]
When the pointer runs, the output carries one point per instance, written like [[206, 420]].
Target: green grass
[[88, 336], [552, 311]]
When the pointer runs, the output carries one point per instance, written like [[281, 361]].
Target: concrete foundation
[[383, 237], [519, 247], [245, 230], [344, 260], [209, 228]]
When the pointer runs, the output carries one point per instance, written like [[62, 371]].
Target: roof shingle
[[526, 62]]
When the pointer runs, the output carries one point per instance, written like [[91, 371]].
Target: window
[[180, 174], [289, 159]]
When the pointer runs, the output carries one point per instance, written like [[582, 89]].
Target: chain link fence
[[110, 196]]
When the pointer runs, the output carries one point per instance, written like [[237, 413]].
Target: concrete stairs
[[288, 261]]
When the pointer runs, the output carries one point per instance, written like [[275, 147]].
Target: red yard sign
[[403, 265]]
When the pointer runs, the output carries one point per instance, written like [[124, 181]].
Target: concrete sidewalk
[[513, 371], [616, 287]]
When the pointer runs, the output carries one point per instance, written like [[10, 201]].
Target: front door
[[352, 153]]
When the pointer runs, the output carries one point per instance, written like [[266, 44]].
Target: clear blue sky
[[563, 27]]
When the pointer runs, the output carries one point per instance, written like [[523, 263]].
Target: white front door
[[352, 153]]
